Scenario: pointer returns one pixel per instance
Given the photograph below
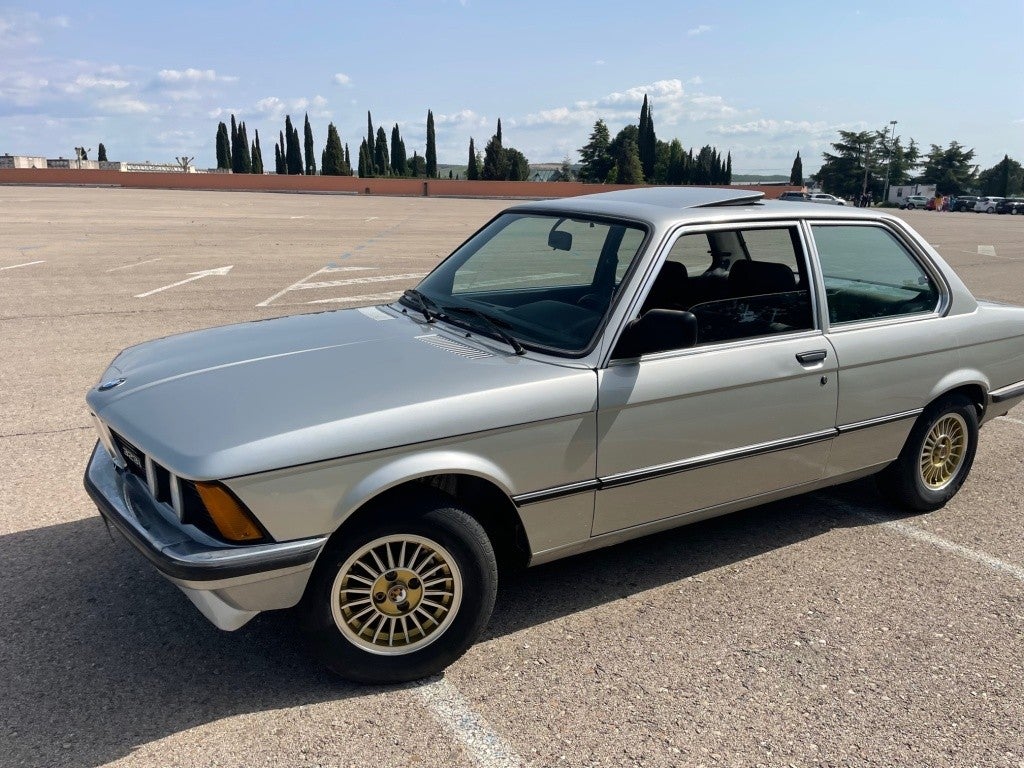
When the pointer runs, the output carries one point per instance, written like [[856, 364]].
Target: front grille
[[136, 462], [135, 459]]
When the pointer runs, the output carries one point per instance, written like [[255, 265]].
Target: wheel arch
[[971, 384], [478, 485]]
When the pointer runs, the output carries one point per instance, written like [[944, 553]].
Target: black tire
[[910, 206], [923, 485], [455, 539]]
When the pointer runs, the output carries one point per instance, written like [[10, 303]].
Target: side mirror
[[559, 240], [657, 330]]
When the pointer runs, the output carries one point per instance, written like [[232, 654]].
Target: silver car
[[577, 373]]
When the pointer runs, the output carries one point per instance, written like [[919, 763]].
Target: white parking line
[[453, 711], [913, 532], [986, 250], [26, 264], [366, 298], [136, 264], [357, 281]]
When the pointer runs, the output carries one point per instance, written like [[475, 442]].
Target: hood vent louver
[[455, 347]]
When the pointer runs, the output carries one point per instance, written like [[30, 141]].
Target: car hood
[[257, 396]]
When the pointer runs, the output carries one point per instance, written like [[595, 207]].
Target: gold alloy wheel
[[943, 452], [396, 594]]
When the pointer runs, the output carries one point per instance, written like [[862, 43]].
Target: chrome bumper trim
[[1010, 392]]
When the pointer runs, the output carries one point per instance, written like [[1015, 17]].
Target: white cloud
[[768, 127], [191, 75], [599, 63], [342, 79], [91, 82], [465, 118], [20, 29], [126, 105], [698, 30]]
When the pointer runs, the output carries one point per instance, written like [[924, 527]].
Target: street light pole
[[888, 165]]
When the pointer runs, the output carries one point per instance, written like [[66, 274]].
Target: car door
[[749, 409], [885, 307]]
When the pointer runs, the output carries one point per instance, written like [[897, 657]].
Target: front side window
[[733, 284], [869, 274], [545, 280]]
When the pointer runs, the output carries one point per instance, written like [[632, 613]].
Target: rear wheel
[[402, 597], [936, 458]]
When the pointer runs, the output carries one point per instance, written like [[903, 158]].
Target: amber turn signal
[[231, 518]]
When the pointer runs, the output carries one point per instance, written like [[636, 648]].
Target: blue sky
[[761, 80]]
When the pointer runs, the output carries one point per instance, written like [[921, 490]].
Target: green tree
[[279, 166], [223, 147], [473, 165], [1005, 179], [241, 162], [431, 159], [417, 166], [381, 161], [901, 163], [101, 153], [646, 141], [676, 170], [565, 172], [348, 161], [257, 154], [595, 156], [365, 161], [728, 168], [518, 165], [495, 161], [796, 173], [949, 169], [310, 150], [399, 163], [628, 169], [369, 134], [856, 165], [332, 163]]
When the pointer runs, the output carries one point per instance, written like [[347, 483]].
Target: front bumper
[[228, 584]]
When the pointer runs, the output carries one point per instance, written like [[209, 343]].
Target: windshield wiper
[[425, 303], [491, 322]]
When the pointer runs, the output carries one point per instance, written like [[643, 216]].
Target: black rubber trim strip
[[1007, 393], [636, 476], [844, 428]]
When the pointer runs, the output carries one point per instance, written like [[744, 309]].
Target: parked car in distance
[[577, 373], [801, 197], [915, 201], [986, 204], [964, 203], [1010, 205], [821, 197]]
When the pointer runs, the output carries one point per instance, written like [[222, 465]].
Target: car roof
[[665, 206]]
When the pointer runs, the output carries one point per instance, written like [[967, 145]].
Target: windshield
[[545, 280]]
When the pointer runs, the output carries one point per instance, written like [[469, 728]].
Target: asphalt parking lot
[[818, 631]]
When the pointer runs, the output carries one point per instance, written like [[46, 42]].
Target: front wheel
[[403, 597], [910, 206], [936, 458]]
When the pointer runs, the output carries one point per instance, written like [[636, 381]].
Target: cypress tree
[[244, 158], [101, 153], [645, 147], [369, 133], [348, 161], [298, 152], [310, 150], [381, 161], [234, 145], [365, 161], [286, 146], [399, 164], [223, 146], [257, 155], [495, 161], [278, 160], [431, 147], [728, 168], [796, 174], [473, 166], [333, 161]]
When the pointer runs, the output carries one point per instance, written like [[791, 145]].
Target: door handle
[[809, 358]]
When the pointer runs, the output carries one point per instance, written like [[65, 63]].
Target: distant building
[[22, 161]]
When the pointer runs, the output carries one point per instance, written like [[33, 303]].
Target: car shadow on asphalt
[[101, 655]]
